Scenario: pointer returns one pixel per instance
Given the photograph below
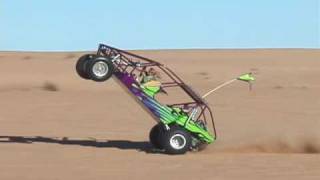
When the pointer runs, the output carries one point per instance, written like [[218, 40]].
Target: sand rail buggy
[[181, 126]]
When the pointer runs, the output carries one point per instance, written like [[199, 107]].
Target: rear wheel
[[155, 136], [81, 66], [100, 69], [176, 140]]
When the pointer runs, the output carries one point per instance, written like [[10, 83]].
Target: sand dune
[[55, 125]]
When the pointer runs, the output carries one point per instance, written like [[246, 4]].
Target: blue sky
[[163, 24]]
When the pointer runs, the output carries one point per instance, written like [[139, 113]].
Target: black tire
[[178, 135], [100, 69], [81, 65], [155, 136]]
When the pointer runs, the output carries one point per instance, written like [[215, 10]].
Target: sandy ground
[[55, 125]]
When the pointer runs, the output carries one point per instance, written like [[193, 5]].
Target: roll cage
[[127, 62]]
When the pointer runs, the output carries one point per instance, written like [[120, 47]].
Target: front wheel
[[82, 63], [100, 69], [176, 140]]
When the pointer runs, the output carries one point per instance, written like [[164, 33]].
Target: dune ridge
[[55, 125]]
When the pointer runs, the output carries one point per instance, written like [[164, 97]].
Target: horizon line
[[160, 49]]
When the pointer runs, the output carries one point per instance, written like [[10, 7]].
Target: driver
[[150, 82]]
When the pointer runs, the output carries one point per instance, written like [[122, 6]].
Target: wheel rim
[[100, 69], [178, 141]]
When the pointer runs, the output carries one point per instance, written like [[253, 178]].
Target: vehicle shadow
[[144, 146]]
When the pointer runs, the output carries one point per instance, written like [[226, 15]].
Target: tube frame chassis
[[126, 68]]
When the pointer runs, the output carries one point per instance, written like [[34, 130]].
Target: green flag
[[246, 77]]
